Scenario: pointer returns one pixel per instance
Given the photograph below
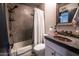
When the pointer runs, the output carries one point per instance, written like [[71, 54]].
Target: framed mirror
[[65, 13]]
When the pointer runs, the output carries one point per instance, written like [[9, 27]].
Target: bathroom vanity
[[55, 47], [66, 40]]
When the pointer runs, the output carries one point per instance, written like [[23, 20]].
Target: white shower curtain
[[38, 26]]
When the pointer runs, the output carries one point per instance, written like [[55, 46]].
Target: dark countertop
[[72, 46]]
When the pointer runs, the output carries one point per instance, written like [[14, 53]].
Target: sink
[[63, 39]]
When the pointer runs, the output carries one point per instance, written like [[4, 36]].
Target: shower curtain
[[38, 26]]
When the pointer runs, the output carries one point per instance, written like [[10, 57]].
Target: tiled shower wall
[[22, 26]]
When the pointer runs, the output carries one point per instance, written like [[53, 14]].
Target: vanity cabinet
[[53, 49], [51, 52]]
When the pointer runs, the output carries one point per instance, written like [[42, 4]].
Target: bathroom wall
[[50, 16]]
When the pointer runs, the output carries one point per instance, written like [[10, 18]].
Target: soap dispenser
[[51, 30]]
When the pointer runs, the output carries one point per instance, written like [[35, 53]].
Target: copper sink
[[62, 39]]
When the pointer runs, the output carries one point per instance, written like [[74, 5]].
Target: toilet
[[39, 49]]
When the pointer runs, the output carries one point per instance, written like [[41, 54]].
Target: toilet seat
[[39, 47]]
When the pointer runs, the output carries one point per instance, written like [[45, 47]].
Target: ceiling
[[32, 4], [61, 4]]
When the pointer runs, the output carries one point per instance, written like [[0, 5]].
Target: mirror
[[66, 12]]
